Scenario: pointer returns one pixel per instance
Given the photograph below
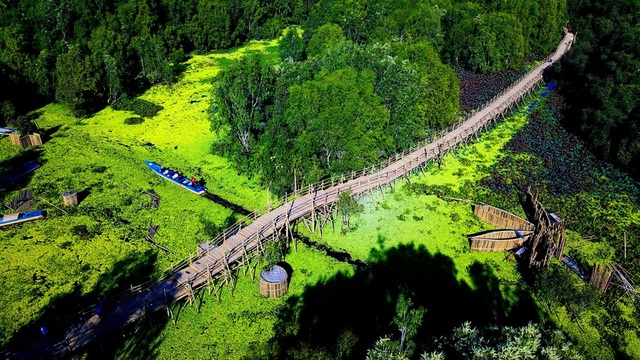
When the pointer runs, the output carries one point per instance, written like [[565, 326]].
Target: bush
[[133, 120], [139, 107], [99, 169]]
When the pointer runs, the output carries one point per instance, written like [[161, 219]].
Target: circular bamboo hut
[[274, 282], [70, 198]]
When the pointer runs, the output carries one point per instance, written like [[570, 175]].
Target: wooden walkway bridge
[[236, 245]]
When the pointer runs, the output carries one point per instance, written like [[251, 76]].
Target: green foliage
[[7, 112], [273, 253], [368, 102], [481, 35], [52, 267], [347, 207], [589, 253], [23, 123], [505, 342], [324, 39], [292, 45], [77, 77], [140, 107], [114, 85], [247, 318], [385, 349], [133, 120], [244, 92], [344, 129], [556, 288], [122, 46], [487, 43], [408, 321], [600, 80]]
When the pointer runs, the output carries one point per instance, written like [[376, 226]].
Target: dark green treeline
[[601, 79]]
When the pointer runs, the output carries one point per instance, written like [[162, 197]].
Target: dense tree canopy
[[602, 79], [127, 44], [119, 45]]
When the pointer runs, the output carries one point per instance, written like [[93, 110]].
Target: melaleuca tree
[[325, 38], [408, 320], [244, 94], [292, 45], [348, 206], [114, 87], [344, 129], [506, 342], [77, 78], [153, 62]]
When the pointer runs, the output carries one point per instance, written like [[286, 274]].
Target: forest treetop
[[89, 53]]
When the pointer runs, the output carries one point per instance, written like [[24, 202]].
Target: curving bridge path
[[236, 244]]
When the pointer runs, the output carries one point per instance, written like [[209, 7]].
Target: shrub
[[133, 120], [139, 107], [99, 169]]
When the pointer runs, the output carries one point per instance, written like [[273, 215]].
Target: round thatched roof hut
[[274, 281]]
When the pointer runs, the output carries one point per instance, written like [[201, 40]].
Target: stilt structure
[[155, 198], [549, 238], [23, 202], [600, 276]]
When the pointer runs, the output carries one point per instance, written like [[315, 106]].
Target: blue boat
[[11, 219], [7, 131], [173, 176]]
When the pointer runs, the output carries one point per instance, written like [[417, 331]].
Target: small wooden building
[[25, 141], [274, 282]]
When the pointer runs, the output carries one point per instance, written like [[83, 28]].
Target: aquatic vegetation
[[477, 89]]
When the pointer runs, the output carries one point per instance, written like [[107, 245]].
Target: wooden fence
[[600, 276], [499, 240], [500, 218]]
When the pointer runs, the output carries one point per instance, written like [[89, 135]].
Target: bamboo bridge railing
[[235, 246]]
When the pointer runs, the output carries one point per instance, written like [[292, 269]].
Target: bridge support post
[[245, 259], [313, 215], [168, 307]]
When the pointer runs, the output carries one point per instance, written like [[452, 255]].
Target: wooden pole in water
[[313, 214], [268, 200]]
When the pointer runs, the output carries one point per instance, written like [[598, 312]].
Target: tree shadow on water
[[68, 311], [343, 316]]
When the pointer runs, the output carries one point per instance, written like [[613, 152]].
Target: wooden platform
[[498, 240], [500, 218]]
